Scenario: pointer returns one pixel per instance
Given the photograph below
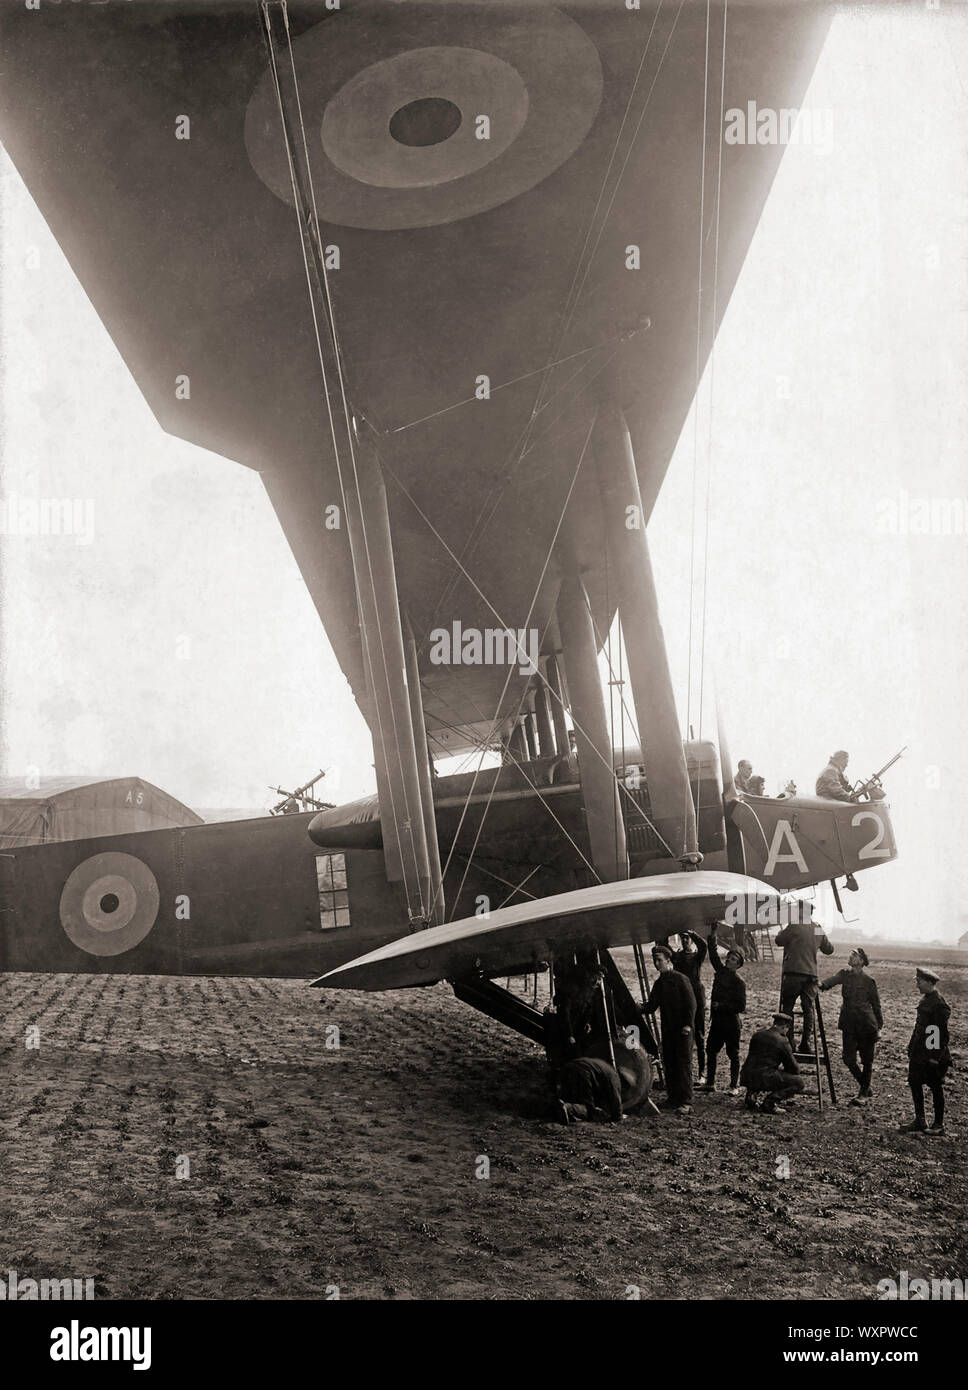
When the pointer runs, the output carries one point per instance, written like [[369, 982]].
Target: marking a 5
[[871, 850]]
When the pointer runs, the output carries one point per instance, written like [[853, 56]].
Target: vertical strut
[[423, 769], [542, 714], [606, 828], [557, 702], [389, 711], [670, 794]]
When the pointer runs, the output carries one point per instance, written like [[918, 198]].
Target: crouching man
[[770, 1072], [592, 1088], [589, 1089]]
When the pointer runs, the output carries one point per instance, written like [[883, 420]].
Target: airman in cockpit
[[832, 784]]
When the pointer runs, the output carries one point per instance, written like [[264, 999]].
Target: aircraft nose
[[353, 826]]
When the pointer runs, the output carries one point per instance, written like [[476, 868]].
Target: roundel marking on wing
[[109, 903], [357, 131], [392, 125]]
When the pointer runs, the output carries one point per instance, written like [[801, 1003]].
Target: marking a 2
[[871, 850]]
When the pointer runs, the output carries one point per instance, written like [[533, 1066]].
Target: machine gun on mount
[[301, 799], [873, 788]]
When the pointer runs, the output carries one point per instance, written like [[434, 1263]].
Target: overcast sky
[[181, 644]]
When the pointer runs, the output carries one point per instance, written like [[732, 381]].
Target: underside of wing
[[510, 199]]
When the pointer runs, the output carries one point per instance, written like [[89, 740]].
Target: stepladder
[[816, 1062]]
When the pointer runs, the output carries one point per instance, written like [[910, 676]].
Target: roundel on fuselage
[[109, 903]]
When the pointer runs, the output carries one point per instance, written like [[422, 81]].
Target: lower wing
[[610, 914]]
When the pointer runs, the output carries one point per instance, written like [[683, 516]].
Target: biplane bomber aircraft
[[446, 274]]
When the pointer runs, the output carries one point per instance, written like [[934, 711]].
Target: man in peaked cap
[[770, 1072], [860, 1020], [928, 1054]]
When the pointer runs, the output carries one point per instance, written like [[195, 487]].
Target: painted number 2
[[873, 849]]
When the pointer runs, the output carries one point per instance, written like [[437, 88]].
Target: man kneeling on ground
[[589, 1089], [770, 1072]]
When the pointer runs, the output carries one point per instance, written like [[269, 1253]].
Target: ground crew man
[[728, 1002], [832, 784], [770, 1070], [589, 1089], [800, 941], [928, 1054], [860, 1020], [672, 995], [689, 962]]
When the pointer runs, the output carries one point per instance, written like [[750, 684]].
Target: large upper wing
[[458, 258]]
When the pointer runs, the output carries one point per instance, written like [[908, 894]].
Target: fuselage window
[[334, 899]]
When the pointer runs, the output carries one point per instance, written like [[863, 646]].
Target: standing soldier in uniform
[[928, 1054], [728, 1002], [672, 995], [689, 962], [860, 1020]]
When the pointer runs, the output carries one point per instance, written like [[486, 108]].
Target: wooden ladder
[[819, 1055]]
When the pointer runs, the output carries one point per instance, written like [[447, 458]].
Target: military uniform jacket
[[769, 1052], [800, 941], [860, 1011], [672, 995], [933, 1012], [729, 989], [689, 963]]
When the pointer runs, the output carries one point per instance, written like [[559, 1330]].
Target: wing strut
[[606, 828], [393, 706], [655, 707]]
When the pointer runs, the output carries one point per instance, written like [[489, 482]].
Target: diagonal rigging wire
[[515, 888], [533, 785], [544, 570], [469, 549], [526, 376], [554, 693]]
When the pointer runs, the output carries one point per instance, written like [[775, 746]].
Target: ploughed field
[[358, 1168]]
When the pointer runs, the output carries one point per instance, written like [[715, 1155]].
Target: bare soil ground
[[357, 1167]]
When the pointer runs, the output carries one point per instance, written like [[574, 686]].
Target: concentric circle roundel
[[394, 117], [358, 130], [109, 903]]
